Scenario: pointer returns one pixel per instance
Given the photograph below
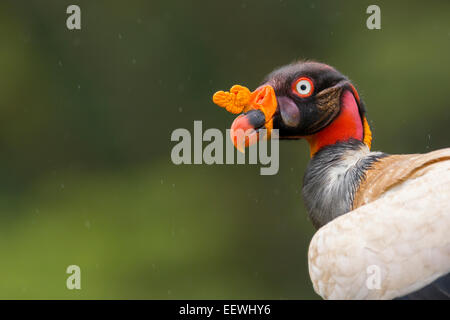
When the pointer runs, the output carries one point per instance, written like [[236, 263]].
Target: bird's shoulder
[[392, 170]]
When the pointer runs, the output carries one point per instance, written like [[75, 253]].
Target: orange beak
[[260, 111]]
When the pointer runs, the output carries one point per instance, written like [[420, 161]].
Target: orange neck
[[347, 125]]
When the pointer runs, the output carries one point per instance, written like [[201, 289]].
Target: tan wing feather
[[393, 170]]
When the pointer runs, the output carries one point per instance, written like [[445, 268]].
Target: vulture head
[[307, 100]]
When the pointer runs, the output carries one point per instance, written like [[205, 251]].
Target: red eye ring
[[303, 87]]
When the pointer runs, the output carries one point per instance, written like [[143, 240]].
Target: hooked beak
[[245, 129]]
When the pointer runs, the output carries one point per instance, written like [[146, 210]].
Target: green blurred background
[[85, 124]]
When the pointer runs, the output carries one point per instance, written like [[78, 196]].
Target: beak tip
[[244, 130], [243, 133]]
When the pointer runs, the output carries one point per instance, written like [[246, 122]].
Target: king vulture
[[376, 214]]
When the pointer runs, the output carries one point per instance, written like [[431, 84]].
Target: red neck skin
[[347, 125]]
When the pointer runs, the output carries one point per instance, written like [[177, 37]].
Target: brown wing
[[393, 170]]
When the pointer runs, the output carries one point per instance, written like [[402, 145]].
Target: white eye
[[303, 87]]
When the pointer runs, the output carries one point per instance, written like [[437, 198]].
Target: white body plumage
[[403, 237]]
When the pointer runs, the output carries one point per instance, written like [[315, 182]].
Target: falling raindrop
[[428, 141]]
